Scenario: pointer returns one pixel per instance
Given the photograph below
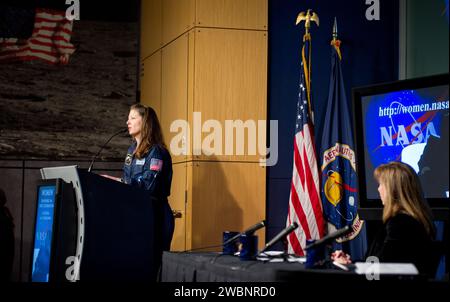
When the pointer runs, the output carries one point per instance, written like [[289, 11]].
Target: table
[[214, 267]]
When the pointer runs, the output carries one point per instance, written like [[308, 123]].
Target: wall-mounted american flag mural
[[66, 86]]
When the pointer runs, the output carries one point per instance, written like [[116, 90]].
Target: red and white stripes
[[50, 40], [305, 206]]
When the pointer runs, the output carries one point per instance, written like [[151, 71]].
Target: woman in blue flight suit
[[148, 165]]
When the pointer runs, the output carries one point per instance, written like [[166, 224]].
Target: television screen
[[404, 121], [43, 233]]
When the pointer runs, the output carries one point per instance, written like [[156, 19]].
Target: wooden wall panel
[[178, 17], [174, 88], [151, 27], [205, 68], [243, 14], [226, 196], [191, 85], [231, 80], [151, 82], [189, 204], [177, 202]]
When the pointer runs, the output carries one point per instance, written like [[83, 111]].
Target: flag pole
[[335, 31], [335, 42], [307, 17]]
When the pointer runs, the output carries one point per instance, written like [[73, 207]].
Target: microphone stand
[[104, 145], [279, 237], [249, 231]]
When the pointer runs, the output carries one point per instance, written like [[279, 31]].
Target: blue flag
[[338, 165]]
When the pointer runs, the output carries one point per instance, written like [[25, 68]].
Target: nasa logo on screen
[[398, 126]]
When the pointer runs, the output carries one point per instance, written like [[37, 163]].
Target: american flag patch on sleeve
[[156, 164]]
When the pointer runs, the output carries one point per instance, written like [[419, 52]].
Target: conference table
[[215, 267], [213, 271]]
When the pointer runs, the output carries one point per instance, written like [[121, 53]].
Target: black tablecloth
[[207, 267]]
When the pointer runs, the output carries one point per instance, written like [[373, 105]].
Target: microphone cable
[[104, 145]]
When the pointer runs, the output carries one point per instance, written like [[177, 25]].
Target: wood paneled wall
[[151, 80], [151, 27], [174, 87], [211, 63], [241, 14]]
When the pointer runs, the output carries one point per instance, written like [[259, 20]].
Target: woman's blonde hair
[[151, 133], [403, 194]]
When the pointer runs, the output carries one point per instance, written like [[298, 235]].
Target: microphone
[[248, 231], [339, 233], [104, 145], [281, 235]]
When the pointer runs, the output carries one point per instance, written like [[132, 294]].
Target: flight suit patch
[[128, 159], [156, 164]]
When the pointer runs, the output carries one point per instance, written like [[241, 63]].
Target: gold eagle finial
[[308, 17]]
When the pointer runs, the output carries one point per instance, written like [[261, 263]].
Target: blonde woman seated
[[408, 229]]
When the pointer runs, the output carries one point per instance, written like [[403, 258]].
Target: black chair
[[437, 252]]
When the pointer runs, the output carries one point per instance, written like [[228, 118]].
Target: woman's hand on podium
[[112, 177]]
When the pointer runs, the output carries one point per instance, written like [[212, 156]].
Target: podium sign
[[43, 233], [55, 231]]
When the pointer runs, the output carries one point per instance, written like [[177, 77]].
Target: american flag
[[305, 206], [50, 40]]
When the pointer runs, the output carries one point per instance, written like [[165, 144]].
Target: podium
[[121, 230]]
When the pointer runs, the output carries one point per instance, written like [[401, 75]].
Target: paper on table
[[297, 259], [275, 256], [271, 253], [363, 268]]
